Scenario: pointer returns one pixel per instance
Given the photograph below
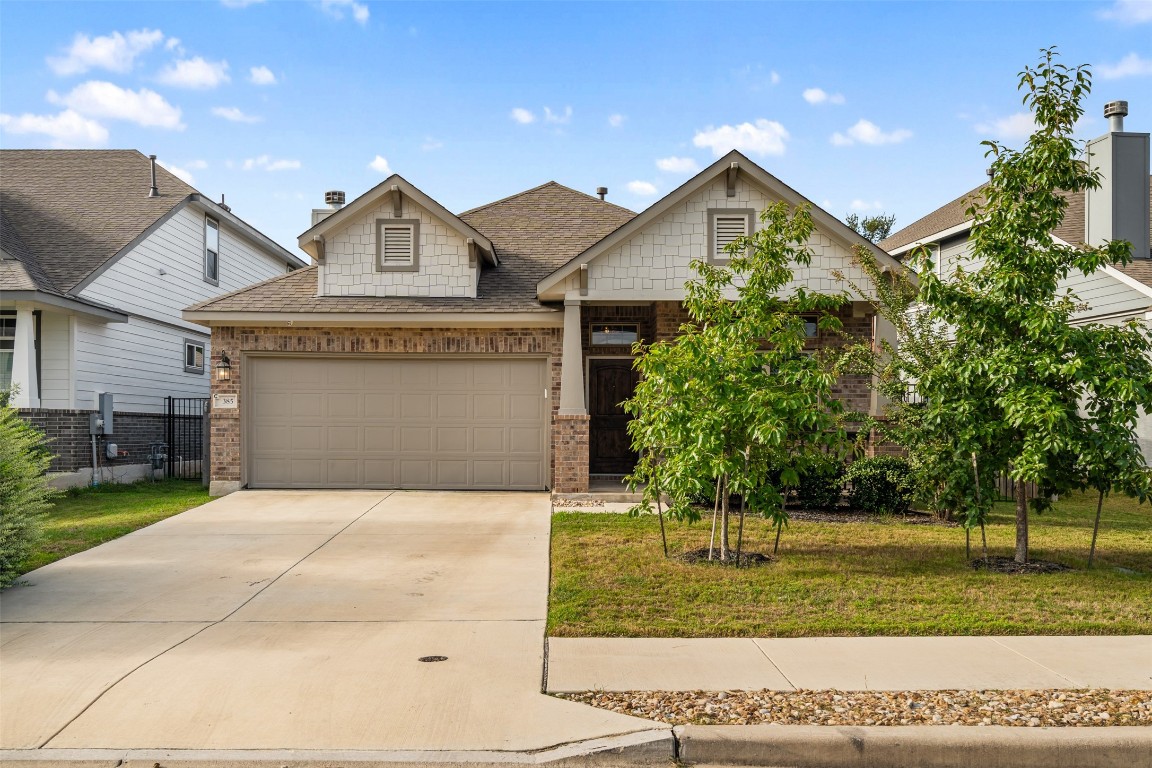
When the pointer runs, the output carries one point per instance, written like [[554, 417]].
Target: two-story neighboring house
[[101, 252], [1119, 210], [485, 350]]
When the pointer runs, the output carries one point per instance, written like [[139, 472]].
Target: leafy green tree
[[871, 228], [1020, 389], [24, 491], [732, 405]]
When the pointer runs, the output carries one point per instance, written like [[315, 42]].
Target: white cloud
[[116, 52], [1017, 126], [1129, 11], [820, 96], [1129, 66], [431, 143], [67, 129], [616, 120], [774, 76], [235, 115], [523, 116], [866, 132], [97, 98], [266, 163], [677, 165], [644, 188], [239, 3], [178, 172], [261, 76], [195, 73], [553, 117], [336, 9], [864, 205], [197, 165], [765, 137], [380, 165]]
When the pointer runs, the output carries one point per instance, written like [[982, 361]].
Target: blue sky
[[860, 106]]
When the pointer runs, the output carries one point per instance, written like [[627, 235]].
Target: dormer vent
[[602, 191], [334, 199], [1116, 111]]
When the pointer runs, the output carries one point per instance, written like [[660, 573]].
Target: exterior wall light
[[224, 369]]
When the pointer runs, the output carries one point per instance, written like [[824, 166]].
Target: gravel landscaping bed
[[1021, 708]]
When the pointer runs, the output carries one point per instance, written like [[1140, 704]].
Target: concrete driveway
[[296, 620]]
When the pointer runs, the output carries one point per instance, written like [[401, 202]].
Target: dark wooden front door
[[610, 382]]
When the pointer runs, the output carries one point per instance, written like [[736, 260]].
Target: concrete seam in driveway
[[148, 661], [1023, 655]]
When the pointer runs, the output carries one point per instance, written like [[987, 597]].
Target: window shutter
[[397, 248], [727, 229]]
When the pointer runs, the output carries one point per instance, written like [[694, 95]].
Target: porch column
[[24, 360], [572, 363]]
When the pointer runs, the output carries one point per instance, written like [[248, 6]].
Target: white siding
[[655, 262], [350, 268], [141, 361], [55, 361]]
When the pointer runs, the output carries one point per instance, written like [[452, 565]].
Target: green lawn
[[85, 517], [609, 579]]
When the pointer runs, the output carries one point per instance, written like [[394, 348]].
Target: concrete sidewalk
[[849, 663]]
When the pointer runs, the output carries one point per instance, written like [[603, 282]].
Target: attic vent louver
[[728, 229], [397, 245]]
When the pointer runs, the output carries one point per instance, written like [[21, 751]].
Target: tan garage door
[[397, 423]]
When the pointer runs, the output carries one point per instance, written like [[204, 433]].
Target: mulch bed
[[1034, 709], [701, 556], [998, 564]]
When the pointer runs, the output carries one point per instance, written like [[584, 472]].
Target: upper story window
[[193, 356], [397, 245], [725, 225], [7, 347], [211, 250]]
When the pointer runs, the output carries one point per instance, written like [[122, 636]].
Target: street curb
[[643, 748], [915, 746]]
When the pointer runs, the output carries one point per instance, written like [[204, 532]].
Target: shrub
[[880, 484], [821, 485], [24, 491]]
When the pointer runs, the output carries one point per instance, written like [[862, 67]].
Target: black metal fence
[[184, 435]]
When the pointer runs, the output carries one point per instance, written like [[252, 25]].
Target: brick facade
[[71, 443]]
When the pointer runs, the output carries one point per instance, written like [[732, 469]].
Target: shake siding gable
[[350, 267]]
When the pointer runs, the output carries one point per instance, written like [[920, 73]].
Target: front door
[[610, 383]]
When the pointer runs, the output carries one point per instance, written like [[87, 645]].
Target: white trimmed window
[[211, 250], [193, 356], [725, 226], [397, 245], [7, 348]]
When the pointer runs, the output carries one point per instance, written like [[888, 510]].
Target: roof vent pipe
[[602, 191], [224, 205], [153, 191], [1116, 111], [335, 199]]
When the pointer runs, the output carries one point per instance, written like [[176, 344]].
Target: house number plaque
[[224, 401]]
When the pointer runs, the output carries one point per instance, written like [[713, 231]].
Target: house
[[1119, 210], [485, 350], [101, 251]]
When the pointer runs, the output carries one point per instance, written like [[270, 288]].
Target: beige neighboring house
[[1119, 210], [485, 350], [101, 250]]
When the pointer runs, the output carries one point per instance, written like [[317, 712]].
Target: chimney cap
[[602, 191], [334, 198], [1116, 109]]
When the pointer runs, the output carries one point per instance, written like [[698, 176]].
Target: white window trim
[[211, 223], [749, 216], [203, 356], [414, 226]]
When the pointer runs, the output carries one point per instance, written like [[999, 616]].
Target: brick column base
[[570, 453]]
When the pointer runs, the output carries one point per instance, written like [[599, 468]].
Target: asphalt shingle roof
[[73, 210], [534, 232]]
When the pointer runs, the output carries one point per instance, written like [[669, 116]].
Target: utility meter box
[[105, 412]]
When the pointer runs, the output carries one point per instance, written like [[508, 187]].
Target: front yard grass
[[609, 578], [83, 518]]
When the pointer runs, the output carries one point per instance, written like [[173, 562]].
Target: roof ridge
[[245, 289], [552, 183]]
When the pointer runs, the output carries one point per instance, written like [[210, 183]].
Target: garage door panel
[[397, 423]]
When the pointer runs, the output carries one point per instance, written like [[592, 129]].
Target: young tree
[[732, 405], [871, 228], [1020, 389], [24, 490]]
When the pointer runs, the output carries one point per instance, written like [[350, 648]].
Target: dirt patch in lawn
[[1009, 565], [701, 556]]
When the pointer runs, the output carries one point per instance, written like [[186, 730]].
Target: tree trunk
[[740, 531], [1021, 521], [725, 550], [1095, 529], [715, 515], [663, 535]]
